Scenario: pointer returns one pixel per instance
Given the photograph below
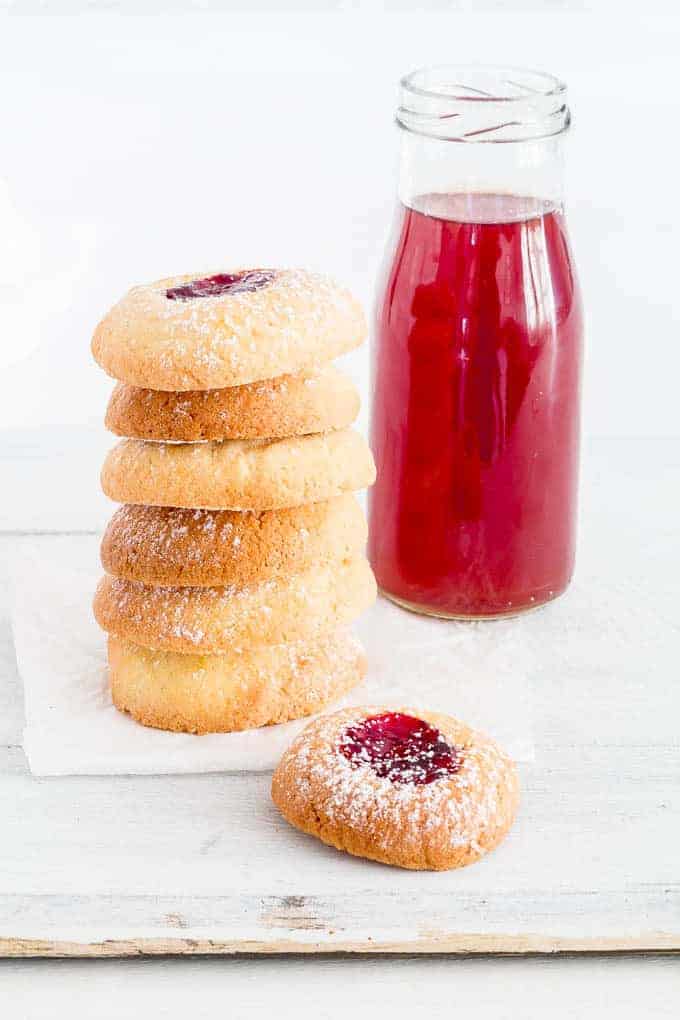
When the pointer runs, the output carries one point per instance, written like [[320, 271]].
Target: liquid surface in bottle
[[475, 420]]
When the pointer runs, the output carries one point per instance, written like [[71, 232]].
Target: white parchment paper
[[479, 672]]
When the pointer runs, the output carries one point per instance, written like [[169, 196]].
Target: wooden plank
[[348, 923], [159, 835], [203, 864], [117, 857], [479, 944]]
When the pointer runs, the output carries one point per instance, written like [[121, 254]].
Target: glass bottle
[[477, 351]]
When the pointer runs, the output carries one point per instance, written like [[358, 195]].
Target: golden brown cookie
[[197, 548], [414, 789], [238, 474], [290, 405], [223, 693], [225, 329], [273, 612]]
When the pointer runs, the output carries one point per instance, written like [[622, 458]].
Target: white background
[[134, 147]]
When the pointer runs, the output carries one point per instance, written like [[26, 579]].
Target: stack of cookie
[[236, 563]]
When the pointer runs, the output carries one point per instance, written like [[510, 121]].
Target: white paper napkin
[[479, 672]]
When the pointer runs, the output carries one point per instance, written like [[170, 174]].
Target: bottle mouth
[[461, 103]]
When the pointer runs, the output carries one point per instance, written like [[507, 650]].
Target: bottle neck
[[530, 171], [482, 131]]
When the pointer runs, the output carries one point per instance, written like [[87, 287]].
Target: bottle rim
[[482, 103]]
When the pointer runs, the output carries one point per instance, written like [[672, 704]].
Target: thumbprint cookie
[[226, 329], [267, 684], [221, 619], [409, 788], [238, 474], [290, 405], [204, 548]]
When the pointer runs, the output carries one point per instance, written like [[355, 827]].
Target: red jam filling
[[222, 283], [400, 748]]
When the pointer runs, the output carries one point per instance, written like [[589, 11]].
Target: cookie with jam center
[[229, 328], [414, 789]]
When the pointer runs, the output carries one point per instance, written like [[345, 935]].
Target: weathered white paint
[[203, 863]]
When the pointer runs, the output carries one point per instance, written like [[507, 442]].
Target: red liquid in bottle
[[475, 423]]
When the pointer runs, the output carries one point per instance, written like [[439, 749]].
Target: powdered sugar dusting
[[212, 619], [282, 300], [295, 323], [457, 809], [276, 665], [196, 547], [178, 536]]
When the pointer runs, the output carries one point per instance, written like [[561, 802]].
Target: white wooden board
[[193, 864]]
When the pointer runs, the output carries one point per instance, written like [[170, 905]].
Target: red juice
[[475, 424]]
